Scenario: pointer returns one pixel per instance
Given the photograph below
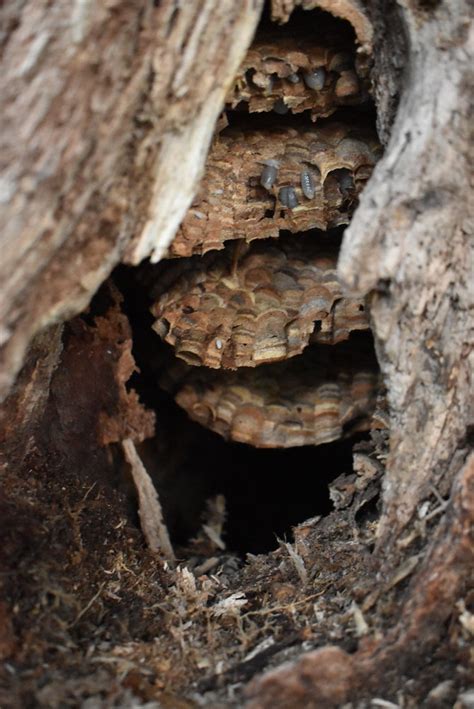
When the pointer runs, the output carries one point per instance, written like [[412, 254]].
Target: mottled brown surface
[[322, 395], [231, 203], [90, 618], [95, 368], [122, 415], [329, 676], [263, 79], [22, 411], [322, 678], [265, 306], [107, 111]]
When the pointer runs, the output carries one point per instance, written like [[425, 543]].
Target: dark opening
[[302, 22], [267, 492]]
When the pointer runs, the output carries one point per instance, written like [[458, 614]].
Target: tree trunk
[[108, 114], [410, 244]]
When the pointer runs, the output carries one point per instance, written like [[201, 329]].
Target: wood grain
[[107, 111]]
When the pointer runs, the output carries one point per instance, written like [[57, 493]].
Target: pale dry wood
[[149, 507], [324, 394], [232, 204], [107, 111], [264, 306]]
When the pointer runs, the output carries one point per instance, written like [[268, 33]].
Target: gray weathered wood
[[410, 244], [107, 110]]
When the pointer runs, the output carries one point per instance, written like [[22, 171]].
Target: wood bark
[[108, 111], [410, 245]]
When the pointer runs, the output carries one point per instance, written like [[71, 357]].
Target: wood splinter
[[149, 508]]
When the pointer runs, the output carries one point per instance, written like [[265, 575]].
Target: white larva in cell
[[218, 344], [315, 78], [307, 184], [347, 84], [269, 173], [287, 197]]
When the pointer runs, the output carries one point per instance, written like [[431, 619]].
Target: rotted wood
[[91, 388], [107, 112], [330, 677], [410, 244], [22, 411], [324, 394], [407, 249], [316, 72], [265, 306], [259, 182]]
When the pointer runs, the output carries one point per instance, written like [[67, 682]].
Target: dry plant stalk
[[149, 507]]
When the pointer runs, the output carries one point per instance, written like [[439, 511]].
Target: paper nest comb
[[321, 396], [233, 204], [264, 307], [296, 74], [257, 321]]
